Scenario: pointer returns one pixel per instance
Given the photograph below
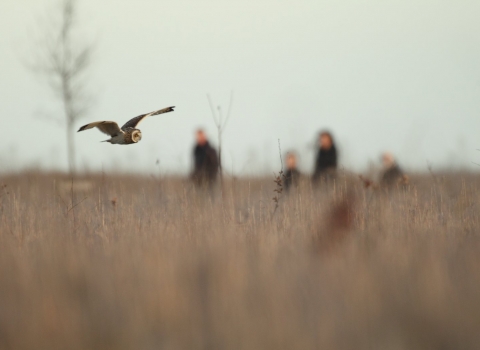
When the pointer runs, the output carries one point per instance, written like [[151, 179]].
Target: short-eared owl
[[128, 133]]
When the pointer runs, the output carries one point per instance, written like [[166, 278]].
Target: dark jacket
[[205, 164], [391, 176], [326, 162], [291, 177]]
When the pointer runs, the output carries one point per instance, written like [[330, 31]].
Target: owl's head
[[136, 136]]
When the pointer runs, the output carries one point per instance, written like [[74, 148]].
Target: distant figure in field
[[292, 175], [392, 174], [205, 159], [326, 161]]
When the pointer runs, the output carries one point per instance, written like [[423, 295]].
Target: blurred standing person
[[392, 174], [205, 161], [326, 161], [292, 175]]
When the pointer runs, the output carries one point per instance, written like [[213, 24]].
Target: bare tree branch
[[214, 116], [229, 112], [220, 123]]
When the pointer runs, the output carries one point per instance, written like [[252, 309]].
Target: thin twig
[[280, 154], [212, 109], [278, 179], [229, 111], [76, 204]]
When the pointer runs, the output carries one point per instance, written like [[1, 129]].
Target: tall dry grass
[[147, 263]]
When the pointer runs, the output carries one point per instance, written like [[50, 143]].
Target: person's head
[[201, 137], [388, 160], [291, 160], [325, 140]]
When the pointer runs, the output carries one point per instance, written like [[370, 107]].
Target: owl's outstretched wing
[[132, 123], [107, 127]]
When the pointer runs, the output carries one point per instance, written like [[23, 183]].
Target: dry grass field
[[151, 263]]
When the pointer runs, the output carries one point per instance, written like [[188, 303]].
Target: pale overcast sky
[[402, 76]]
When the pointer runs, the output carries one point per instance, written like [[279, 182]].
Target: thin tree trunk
[[70, 118], [70, 148]]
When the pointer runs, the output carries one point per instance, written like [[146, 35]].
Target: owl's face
[[136, 136]]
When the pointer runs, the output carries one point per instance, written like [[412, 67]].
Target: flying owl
[[128, 133]]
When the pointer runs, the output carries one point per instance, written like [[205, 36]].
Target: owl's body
[[128, 133], [129, 136]]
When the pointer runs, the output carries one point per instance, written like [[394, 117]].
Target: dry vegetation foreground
[[145, 263]]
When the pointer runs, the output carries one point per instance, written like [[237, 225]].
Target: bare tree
[[220, 122], [63, 61]]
